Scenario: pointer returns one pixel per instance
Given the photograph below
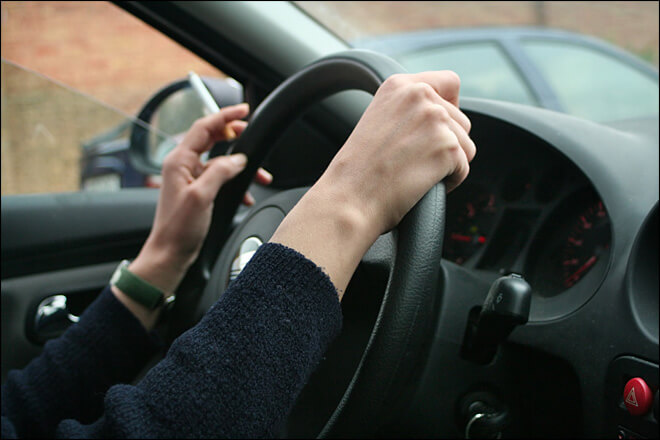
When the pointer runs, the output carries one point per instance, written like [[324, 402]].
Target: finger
[[453, 180], [238, 126], [228, 133], [248, 200], [263, 177], [210, 129], [457, 115], [454, 112], [218, 171], [184, 161], [467, 144], [445, 82], [460, 172]]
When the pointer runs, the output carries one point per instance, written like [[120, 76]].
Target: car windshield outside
[[73, 102], [580, 58]]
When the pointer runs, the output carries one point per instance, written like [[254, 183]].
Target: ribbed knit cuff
[[118, 339], [276, 269], [279, 260]]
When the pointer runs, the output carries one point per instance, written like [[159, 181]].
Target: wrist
[[342, 211], [330, 231], [142, 298], [159, 267]]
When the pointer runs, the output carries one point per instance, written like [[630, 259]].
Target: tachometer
[[470, 218]]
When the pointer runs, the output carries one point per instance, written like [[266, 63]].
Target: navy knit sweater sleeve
[[236, 373]]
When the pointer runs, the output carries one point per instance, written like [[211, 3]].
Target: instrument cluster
[[531, 212]]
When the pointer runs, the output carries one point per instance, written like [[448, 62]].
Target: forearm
[[238, 372], [382, 170], [326, 228]]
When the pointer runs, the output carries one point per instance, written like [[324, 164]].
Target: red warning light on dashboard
[[637, 396]]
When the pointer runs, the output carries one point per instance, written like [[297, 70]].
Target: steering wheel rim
[[406, 314]]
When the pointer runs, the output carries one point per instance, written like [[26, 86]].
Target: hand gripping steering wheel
[[407, 312]]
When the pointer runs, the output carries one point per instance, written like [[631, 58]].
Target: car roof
[[447, 35], [404, 42]]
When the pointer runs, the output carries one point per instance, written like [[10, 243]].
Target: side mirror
[[168, 115]]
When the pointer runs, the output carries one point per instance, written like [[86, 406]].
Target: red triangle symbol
[[630, 398]]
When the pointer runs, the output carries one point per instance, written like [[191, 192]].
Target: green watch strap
[[136, 288]]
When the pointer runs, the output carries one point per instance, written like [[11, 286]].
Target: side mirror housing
[[167, 116]]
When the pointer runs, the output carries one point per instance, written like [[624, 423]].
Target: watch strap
[[136, 288]]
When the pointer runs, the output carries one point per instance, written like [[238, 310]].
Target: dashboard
[[572, 207], [569, 205]]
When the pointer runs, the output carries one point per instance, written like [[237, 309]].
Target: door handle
[[52, 317]]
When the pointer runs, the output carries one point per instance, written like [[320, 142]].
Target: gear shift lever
[[506, 306]]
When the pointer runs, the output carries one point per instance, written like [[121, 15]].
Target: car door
[[60, 241], [58, 252]]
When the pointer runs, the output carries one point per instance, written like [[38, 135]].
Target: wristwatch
[[136, 288]]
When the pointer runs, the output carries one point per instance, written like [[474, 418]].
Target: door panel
[[46, 232], [63, 244]]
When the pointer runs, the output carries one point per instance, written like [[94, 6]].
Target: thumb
[[218, 171]]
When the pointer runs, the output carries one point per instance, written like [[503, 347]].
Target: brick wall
[[94, 47], [632, 25]]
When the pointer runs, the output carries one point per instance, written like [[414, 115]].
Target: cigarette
[[209, 102]]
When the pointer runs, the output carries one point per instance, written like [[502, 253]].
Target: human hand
[[411, 137], [189, 187]]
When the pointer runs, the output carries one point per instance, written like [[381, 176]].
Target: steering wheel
[[406, 313]]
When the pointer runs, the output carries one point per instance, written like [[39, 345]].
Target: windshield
[[595, 60]]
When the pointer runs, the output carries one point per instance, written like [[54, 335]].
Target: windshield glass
[[596, 60]]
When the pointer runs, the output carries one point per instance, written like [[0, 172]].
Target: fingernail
[[239, 159]]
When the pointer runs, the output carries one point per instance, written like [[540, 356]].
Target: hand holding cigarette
[[209, 102]]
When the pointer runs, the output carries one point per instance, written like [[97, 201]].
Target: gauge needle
[[576, 275]]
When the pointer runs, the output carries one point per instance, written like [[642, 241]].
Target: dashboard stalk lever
[[506, 306]]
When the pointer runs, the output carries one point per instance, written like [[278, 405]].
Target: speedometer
[[574, 242], [587, 241]]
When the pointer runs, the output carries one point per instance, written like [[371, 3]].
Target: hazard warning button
[[637, 396]]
